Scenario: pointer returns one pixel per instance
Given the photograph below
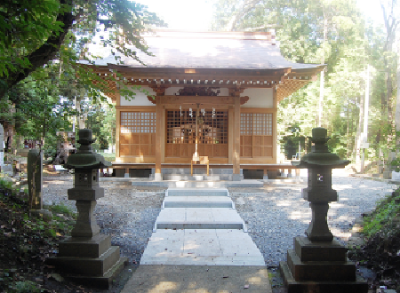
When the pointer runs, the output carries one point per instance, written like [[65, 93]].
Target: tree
[[313, 31], [391, 14], [32, 32], [101, 119]]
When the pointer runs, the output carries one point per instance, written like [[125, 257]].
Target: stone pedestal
[[158, 177], [387, 174], [35, 183], [35, 180], [236, 177], [92, 261], [88, 256], [318, 262], [320, 267]]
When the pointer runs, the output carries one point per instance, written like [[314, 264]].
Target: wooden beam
[[214, 78], [210, 74], [209, 100], [181, 83], [288, 79], [209, 71]]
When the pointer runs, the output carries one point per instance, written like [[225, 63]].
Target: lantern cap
[[85, 158], [320, 156]]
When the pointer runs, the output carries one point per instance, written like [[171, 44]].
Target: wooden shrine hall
[[207, 97]]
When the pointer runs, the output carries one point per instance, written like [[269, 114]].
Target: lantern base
[[91, 260], [320, 266], [319, 251], [293, 286]]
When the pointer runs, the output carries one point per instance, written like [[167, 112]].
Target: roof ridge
[[167, 33]]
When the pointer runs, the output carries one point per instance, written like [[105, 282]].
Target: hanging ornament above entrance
[[198, 91]]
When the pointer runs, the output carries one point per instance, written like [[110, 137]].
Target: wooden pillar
[[236, 140], [117, 132], [117, 124], [231, 118], [157, 175], [275, 152]]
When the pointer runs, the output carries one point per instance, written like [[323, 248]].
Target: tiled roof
[[211, 50]]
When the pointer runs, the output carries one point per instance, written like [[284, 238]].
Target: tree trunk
[[391, 23], [397, 112], [44, 53], [81, 118], [322, 80], [348, 132], [357, 146]]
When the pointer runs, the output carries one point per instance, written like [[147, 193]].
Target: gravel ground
[[274, 213], [126, 213]]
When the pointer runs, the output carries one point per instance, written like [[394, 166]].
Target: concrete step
[[198, 184], [198, 202], [199, 218], [202, 170], [197, 177], [197, 192], [202, 247]]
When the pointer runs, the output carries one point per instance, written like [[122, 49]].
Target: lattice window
[[138, 122], [256, 124], [256, 135], [138, 132], [213, 127]]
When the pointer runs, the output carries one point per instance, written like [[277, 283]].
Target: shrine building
[[214, 92]]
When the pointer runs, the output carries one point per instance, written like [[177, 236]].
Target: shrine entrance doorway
[[212, 133]]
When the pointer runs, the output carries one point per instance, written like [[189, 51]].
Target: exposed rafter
[[286, 81]]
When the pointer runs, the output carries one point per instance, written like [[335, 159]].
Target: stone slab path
[[198, 235], [199, 246]]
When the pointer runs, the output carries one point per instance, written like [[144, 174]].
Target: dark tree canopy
[[32, 32]]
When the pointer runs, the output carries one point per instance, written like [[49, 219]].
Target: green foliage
[[108, 157], [61, 209], [34, 32], [102, 121], [24, 287], [25, 25], [5, 184], [337, 34], [337, 145], [41, 45], [31, 240], [385, 218]]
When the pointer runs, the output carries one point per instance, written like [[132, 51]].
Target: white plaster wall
[[140, 98], [223, 92], [259, 98], [171, 91]]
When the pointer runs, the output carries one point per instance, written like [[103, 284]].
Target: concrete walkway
[[200, 244]]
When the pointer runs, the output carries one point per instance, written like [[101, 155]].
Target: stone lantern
[[88, 255], [318, 262]]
